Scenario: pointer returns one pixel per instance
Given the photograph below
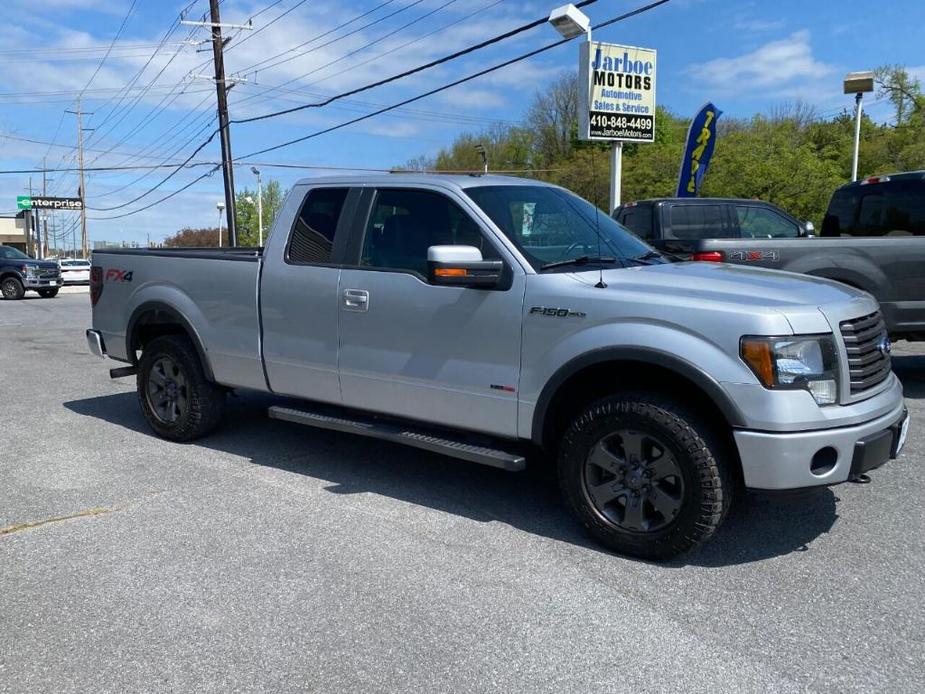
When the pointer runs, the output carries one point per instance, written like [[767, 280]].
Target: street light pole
[[858, 83], [220, 206], [858, 107], [256, 172]]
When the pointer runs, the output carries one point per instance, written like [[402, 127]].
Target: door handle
[[356, 299]]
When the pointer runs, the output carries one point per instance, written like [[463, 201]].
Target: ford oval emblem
[[885, 345]]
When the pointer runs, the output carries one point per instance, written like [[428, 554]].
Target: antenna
[[597, 218]]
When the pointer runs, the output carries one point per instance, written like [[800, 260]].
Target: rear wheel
[[48, 293], [177, 400], [644, 476], [12, 288]]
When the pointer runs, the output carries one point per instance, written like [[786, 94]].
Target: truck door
[[412, 349], [298, 293]]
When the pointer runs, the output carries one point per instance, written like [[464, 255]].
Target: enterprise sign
[[34, 202]]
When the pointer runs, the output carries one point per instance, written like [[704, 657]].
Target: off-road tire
[[204, 400], [698, 456], [12, 288], [48, 293]]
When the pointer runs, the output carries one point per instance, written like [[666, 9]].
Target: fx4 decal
[[746, 256], [114, 275]]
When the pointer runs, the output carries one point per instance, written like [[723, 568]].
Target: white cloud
[[779, 68]]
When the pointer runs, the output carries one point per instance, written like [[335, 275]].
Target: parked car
[[873, 238], [486, 318], [674, 225], [19, 273], [75, 271], [892, 205]]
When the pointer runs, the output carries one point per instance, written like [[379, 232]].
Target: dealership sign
[[617, 92], [40, 202]]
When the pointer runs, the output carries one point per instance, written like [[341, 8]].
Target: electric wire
[[480, 73]]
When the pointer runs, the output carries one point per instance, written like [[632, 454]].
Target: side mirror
[[809, 229], [462, 266]]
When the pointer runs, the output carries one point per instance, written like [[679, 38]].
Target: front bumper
[[773, 460], [36, 283]]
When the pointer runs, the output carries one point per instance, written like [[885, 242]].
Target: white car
[[75, 271]]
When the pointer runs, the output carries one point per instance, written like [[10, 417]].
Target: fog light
[[825, 392]]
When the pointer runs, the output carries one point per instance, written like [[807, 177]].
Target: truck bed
[[214, 290], [889, 267]]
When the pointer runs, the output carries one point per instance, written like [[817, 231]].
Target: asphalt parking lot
[[275, 557]]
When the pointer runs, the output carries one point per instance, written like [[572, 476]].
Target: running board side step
[[418, 438]]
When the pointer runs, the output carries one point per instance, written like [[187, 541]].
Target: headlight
[[29, 270], [795, 363]]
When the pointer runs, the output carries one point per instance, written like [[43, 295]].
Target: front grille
[[868, 353], [49, 274]]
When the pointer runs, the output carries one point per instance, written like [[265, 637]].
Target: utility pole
[[82, 190], [221, 89], [218, 53], [44, 193]]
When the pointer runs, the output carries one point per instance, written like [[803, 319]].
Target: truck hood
[[40, 264], [743, 285], [809, 304]]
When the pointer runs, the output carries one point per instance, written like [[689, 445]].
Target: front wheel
[[177, 400], [12, 288], [644, 476], [48, 293]]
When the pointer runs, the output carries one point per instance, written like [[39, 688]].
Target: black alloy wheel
[[12, 288], [632, 479], [167, 391]]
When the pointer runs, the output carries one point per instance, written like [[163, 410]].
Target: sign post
[[617, 100]]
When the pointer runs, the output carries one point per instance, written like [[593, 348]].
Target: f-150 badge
[[556, 312]]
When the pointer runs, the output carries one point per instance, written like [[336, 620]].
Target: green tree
[[246, 212], [196, 238]]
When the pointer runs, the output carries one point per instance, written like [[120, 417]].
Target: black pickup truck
[[873, 238], [19, 273]]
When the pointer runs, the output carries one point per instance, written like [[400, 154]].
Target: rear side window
[[762, 223], [692, 222], [638, 219], [313, 235], [839, 219], [883, 209]]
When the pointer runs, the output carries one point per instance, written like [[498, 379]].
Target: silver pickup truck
[[488, 318]]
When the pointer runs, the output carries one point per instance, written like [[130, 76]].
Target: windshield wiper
[[581, 260], [645, 257]]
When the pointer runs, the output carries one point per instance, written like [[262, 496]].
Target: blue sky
[[747, 57]]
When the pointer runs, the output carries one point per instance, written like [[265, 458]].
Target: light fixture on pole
[[858, 83], [570, 22], [480, 148], [256, 172], [221, 208]]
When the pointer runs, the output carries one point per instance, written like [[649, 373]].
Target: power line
[[371, 43], [109, 50], [415, 70], [319, 36], [480, 73]]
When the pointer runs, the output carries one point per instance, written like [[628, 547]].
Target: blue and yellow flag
[[701, 138]]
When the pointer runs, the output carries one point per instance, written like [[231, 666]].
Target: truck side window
[[405, 223], [638, 219], [692, 222], [761, 223], [313, 234]]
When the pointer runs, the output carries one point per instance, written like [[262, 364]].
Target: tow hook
[[859, 479]]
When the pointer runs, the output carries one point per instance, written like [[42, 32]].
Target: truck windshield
[[549, 226], [12, 253]]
